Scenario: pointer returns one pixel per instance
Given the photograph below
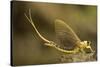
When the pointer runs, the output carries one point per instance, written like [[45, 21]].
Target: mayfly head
[[86, 46]]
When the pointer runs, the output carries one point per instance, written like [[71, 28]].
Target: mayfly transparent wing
[[66, 37]]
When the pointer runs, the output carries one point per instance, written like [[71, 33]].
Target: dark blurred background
[[28, 48]]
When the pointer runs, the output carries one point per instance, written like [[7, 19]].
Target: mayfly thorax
[[68, 41]]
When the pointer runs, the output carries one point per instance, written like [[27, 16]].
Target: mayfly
[[68, 40]]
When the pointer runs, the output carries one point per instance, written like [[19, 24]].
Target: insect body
[[68, 41]]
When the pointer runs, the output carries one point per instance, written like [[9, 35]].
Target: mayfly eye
[[88, 43]]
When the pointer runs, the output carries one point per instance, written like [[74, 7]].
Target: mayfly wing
[[66, 37]]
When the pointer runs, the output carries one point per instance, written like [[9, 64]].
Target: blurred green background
[[28, 48]]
